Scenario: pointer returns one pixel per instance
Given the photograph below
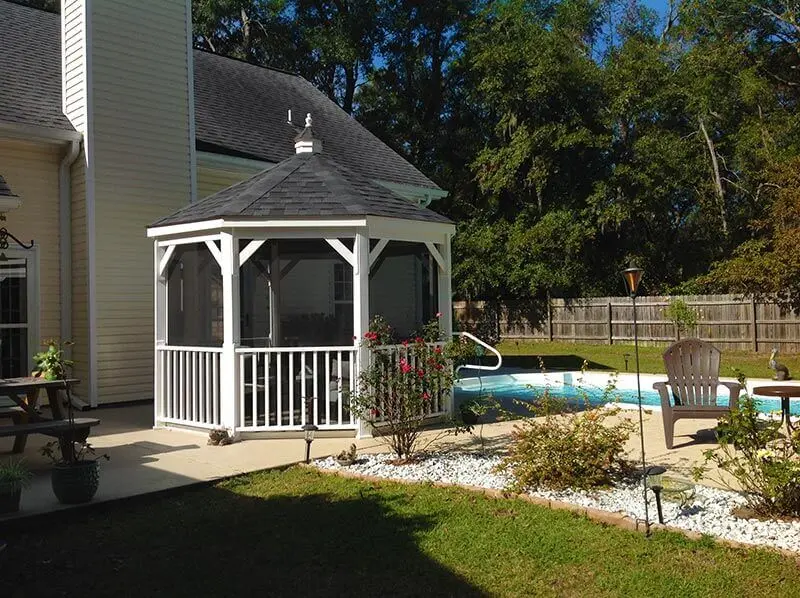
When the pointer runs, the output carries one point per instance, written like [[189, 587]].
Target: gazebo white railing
[[188, 390], [274, 383]]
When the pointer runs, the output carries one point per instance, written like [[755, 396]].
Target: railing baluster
[[200, 381], [181, 382], [242, 357], [267, 359], [339, 384], [215, 386], [254, 401], [291, 388], [352, 355], [279, 392], [304, 417], [327, 388], [314, 355]]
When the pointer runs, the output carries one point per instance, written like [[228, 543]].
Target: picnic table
[[24, 393]]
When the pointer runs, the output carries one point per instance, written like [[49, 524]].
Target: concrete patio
[[145, 460]]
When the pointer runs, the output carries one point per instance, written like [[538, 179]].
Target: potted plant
[[14, 476], [76, 475], [51, 364]]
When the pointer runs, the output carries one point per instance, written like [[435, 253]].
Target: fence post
[[549, 321], [610, 328], [754, 324]]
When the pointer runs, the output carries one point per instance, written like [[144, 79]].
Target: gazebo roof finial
[[305, 142]]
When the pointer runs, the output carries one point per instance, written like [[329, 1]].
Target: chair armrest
[[735, 390], [663, 390]]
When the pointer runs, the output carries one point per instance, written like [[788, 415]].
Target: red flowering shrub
[[401, 386]]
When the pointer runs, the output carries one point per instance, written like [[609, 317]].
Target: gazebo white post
[[361, 312], [160, 317], [445, 299], [275, 295], [229, 373]]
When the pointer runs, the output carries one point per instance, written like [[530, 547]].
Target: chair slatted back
[[693, 372]]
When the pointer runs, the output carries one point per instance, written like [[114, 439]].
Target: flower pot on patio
[[9, 499], [75, 483], [14, 476]]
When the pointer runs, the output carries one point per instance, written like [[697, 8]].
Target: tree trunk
[[350, 87], [717, 178], [246, 38]]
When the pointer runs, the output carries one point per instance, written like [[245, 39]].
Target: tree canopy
[[573, 135]]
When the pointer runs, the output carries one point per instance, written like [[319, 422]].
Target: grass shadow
[[222, 541], [552, 362]]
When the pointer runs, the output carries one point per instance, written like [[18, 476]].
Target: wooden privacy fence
[[728, 321]]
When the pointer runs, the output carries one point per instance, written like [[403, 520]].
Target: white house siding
[[210, 180], [73, 64], [141, 149], [80, 276], [31, 171]]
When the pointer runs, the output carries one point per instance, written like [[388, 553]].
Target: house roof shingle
[[244, 108], [30, 67], [306, 185]]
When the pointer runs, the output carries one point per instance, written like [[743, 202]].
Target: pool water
[[506, 390]]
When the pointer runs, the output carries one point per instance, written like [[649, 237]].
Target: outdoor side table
[[786, 393]]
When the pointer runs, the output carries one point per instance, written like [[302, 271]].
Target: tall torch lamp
[[633, 276]]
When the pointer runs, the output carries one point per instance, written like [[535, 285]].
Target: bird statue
[[781, 371]]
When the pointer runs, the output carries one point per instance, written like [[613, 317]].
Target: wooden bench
[[59, 428]]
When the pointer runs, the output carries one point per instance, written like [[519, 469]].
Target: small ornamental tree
[[401, 385]]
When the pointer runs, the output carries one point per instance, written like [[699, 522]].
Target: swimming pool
[[576, 387]]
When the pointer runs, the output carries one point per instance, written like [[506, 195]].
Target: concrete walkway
[[144, 460]]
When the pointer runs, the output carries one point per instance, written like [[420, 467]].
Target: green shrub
[[757, 454], [567, 449], [682, 315]]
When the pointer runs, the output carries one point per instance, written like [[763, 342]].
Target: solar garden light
[[308, 430], [633, 276], [655, 479]]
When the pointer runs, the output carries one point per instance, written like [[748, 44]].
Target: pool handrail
[[488, 368]]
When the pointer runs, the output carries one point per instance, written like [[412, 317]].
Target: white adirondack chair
[[693, 376]]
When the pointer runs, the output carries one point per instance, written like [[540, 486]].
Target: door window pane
[[14, 356]]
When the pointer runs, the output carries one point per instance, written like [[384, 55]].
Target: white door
[[19, 312]]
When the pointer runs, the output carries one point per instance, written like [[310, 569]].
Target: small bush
[[764, 462], [682, 315], [566, 449]]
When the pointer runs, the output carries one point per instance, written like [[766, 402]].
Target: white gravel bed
[[708, 513]]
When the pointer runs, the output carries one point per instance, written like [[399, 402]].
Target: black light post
[[633, 276], [655, 480], [309, 429]]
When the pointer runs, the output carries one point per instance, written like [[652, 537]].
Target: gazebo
[[264, 290]]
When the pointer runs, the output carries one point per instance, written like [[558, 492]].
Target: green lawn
[[559, 356], [302, 533]]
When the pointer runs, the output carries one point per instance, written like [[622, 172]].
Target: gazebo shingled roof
[[306, 185]]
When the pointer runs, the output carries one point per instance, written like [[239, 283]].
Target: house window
[[343, 302]]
